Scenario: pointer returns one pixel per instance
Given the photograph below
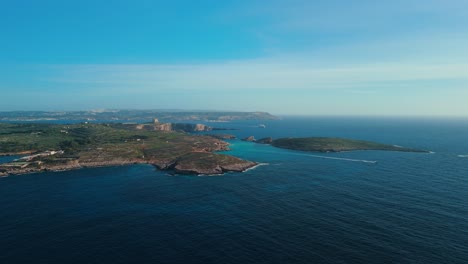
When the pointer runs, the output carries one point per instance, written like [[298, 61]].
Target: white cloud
[[244, 75]]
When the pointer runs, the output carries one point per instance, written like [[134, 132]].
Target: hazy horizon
[[399, 58], [281, 115]]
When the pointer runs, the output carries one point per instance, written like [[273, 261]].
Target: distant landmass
[[56, 147], [134, 115]]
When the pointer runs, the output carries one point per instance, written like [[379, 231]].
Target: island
[[328, 144], [54, 147]]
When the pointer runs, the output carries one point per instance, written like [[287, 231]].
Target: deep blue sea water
[[299, 208]]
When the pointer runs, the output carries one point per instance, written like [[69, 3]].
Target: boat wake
[[463, 156], [221, 174], [344, 159], [256, 166], [327, 157]]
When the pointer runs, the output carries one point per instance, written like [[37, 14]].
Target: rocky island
[[52, 147], [329, 144]]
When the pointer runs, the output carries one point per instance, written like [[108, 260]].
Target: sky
[[294, 57]]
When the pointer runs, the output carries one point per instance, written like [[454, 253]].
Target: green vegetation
[[106, 144], [81, 137], [324, 144]]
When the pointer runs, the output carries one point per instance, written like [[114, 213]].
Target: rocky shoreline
[[177, 166]]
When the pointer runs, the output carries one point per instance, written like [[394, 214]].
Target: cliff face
[[163, 127], [200, 127], [190, 127], [175, 127], [181, 127]]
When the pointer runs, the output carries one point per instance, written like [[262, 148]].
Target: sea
[[296, 207]]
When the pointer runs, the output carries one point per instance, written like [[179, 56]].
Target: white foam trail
[[210, 175], [221, 174], [256, 166], [325, 157], [463, 156], [344, 159]]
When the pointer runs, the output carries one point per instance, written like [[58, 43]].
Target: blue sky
[[330, 57]]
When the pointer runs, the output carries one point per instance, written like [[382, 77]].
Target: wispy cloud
[[244, 75], [403, 26], [302, 15]]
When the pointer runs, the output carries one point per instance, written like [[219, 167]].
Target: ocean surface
[[298, 207]]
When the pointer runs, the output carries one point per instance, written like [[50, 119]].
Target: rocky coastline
[[178, 166]]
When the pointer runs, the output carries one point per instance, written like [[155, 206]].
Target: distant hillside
[[134, 115]]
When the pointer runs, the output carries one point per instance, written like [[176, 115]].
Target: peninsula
[[52, 147]]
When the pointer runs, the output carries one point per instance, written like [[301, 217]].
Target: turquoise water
[[297, 208]]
